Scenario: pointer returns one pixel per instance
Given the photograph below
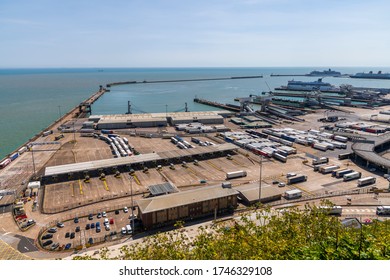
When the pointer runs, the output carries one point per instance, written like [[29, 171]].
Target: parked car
[[72, 235], [77, 229], [111, 221], [76, 220], [47, 236], [99, 215], [281, 184], [87, 226], [90, 240], [92, 225], [104, 214], [123, 231], [98, 229], [116, 212], [47, 243], [54, 246], [107, 227], [67, 235], [67, 246], [60, 225], [125, 209], [52, 230], [90, 217]]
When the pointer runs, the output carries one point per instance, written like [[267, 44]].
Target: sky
[[194, 33]]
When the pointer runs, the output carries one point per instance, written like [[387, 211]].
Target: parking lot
[[84, 230]]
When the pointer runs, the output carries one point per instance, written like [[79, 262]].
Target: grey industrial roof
[[113, 162], [251, 191], [365, 149], [163, 188], [154, 204]]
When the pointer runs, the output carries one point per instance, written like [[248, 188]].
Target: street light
[[261, 167], [132, 204]]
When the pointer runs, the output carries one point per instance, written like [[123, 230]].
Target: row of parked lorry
[[321, 165]]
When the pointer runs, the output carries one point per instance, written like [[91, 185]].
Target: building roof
[[159, 203], [163, 188], [114, 162], [366, 149], [251, 191]]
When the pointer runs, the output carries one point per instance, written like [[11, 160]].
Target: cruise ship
[[329, 73], [310, 86], [371, 75]]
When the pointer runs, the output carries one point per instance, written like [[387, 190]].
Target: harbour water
[[31, 99]]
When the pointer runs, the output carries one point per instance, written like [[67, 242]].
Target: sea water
[[31, 99]]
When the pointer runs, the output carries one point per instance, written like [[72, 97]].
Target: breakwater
[[184, 80]]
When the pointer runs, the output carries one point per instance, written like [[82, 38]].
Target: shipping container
[[320, 160], [320, 147], [291, 194], [22, 150], [236, 174], [125, 140], [352, 176], [5, 162], [296, 179], [345, 156], [340, 138], [328, 169], [14, 156], [366, 181], [341, 173], [280, 157]]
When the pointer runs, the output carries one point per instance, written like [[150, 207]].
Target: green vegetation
[[293, 235]]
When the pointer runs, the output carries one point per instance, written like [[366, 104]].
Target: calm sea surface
[[31, 99]]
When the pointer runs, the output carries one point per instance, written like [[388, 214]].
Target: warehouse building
[[249, 193], [122, 121], [187, 205]]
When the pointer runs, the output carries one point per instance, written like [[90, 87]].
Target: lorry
[[296, 179], [321, 147], [331, 210], [292, 194], [280, 157], [236, 174], [383, 210], [366, 181], [352, 176], [340, 138], [320, 160], [341, 173], [328, 169]]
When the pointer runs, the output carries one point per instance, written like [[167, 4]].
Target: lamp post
[[261, 167], [132, 204]]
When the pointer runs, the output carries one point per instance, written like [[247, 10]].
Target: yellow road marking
[[81, 187], [213, 165], [105, 185], [136, 179]]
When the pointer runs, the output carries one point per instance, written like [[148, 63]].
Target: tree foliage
[[308, 234]]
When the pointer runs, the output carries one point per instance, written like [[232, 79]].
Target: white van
[[128, 229], [106, 222]]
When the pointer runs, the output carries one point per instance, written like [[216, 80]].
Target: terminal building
[[187, 205], [157, 119]]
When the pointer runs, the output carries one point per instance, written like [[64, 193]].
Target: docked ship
[[309, 86], [371, 75], [329, 73]]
